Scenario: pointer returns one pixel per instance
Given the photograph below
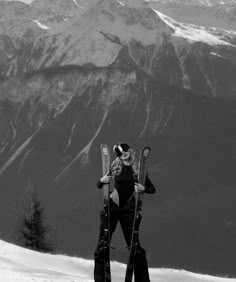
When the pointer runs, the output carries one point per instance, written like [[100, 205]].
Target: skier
[[124, 170]]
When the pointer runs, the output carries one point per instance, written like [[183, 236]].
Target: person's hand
[[139, 187], [106, 178]]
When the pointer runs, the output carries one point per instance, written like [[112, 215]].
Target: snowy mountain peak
[[121, 21], [134, 15], [143, 24], [195, 33]]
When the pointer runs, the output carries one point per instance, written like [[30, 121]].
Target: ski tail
[[143, 158], [105, 153]]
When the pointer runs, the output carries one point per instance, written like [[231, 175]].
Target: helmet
[[120, 149]]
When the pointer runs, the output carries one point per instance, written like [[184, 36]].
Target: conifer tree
[[33, 231]]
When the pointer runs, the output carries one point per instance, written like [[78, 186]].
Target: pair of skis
[[144, 154]]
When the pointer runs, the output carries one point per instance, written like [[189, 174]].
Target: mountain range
[[75, 74]]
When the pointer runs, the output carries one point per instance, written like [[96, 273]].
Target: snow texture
[[41, 25], [191, 32], [23, 265]]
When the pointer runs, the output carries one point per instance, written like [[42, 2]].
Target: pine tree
[[33, 232]]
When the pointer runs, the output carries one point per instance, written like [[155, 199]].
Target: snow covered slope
[[195, 33], [216, 13], [19, 264]]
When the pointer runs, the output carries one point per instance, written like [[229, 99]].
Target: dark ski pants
[[125, 216]]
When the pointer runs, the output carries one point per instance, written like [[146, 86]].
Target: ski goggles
[[118, 150]]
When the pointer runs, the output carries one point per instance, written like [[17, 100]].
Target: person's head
[[122, 151], [124, 155]]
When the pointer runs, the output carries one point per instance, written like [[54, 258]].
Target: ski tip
[[103, 145], [105, 151], [146, 150]]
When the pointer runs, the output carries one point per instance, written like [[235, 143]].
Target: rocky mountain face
[[73, 78]]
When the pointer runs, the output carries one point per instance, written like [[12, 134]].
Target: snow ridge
[[191, 32], [40, 24], [78, 4]]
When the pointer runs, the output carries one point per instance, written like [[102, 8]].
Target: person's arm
[[99, 184], [105, 179], [149, 187]]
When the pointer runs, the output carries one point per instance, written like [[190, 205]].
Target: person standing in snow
[[124, 170]]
